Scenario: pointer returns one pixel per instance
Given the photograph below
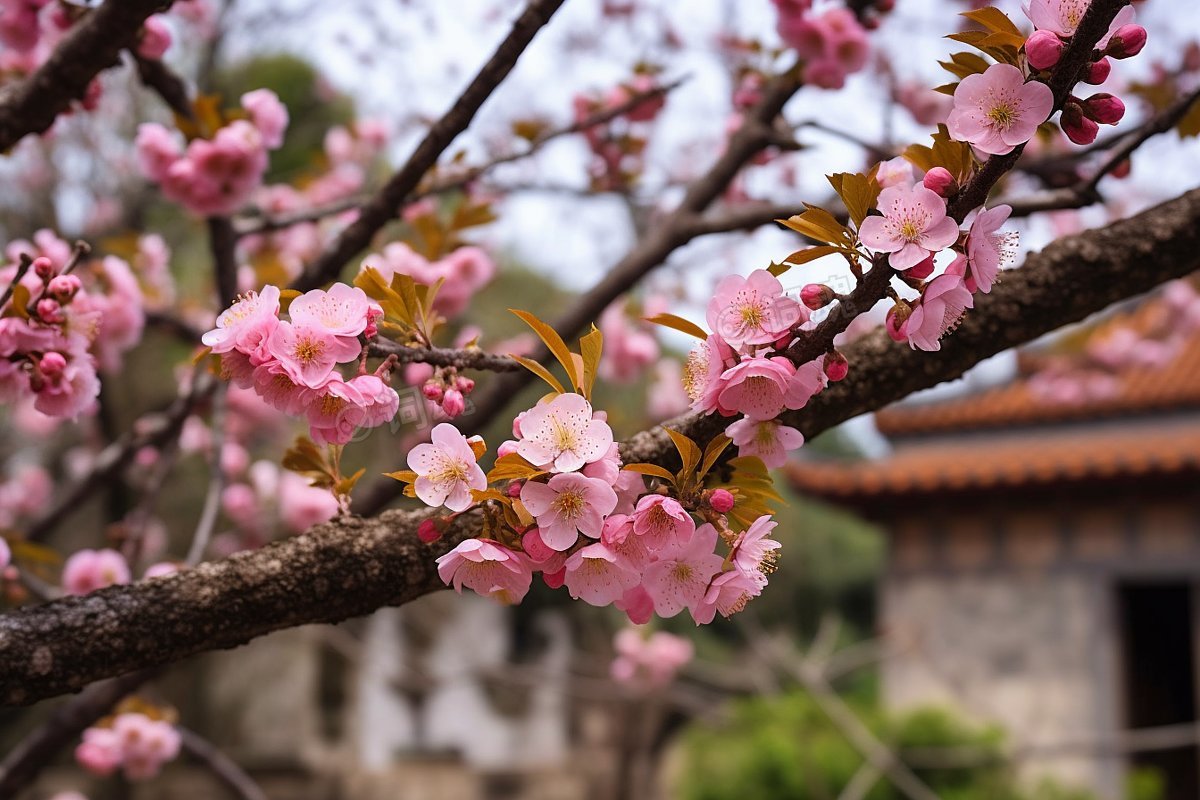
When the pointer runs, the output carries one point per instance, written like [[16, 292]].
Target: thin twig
[[216, 481], [235, 779]]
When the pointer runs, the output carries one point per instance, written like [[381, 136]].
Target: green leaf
[[553, 342], [680, 324], [540, 371]]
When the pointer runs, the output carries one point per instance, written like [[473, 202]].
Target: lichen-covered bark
[[95, 44], [352, 566]]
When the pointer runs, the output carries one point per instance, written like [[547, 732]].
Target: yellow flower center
[[1003, 115], [570, 503], [682, 572], [752, 315], [308, 350]]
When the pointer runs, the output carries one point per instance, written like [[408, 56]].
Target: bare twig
[[235, 779], [216, 482], [445, 357]]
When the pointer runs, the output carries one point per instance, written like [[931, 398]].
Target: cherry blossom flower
[[563, 434], [769, 440], [945, 299], [659, 521], [145, 744], [654, 660], [619, 537], [5, 554], [1063, 17], [988, 248], [680, 577], [628, 350], [89, 570], [308, 353], [753, 553], [997, 110], [268, 115], [914, 225], [342, 310], [703, 370], [728, 594], [752, 310], [597, 575], [235, 323], [488, 568], [379, 403], [447, 469], [637, 605], [761, 388], [567, 505]]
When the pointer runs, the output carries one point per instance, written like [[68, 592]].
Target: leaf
[[680, 324], [962, 65], [712, 452], [650, 469], [953, 155], [540, 371], [819, 225], [552, 341], [688, 451], [403, 475], [19, 304], [1190, 124], [346, 485], [286, 296], [858, 192], [512, 467], [811, 254], [591, 347], [992, 19], [780, 269], [31, 552], [483, 495]]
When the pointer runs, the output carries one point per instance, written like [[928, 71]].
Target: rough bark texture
[[95, 44], [352, 566]]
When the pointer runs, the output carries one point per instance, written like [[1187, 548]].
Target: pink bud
[[896, 323], [816, 295], [1127, 41], [44, 268], [453, 403], [1078, 128], [1104, 108], [155, 40], [49, 311], [922, 270], [555, 579], [1097, 72], [514, 489], [1043, 49], [939, 181], [428, 531], [836, 365], [64, 287], [506, 447], [433, 391], [52, 365], [721, 501], [1121, 170], [464, 384], [517, 424]]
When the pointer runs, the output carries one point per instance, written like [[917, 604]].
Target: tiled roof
[[967, 463]]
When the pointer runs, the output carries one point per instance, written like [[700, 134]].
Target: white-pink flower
[[989, 248], [768, 439], [342, 310], [597, 575], [997, 110], [568, 505], [563, 434], [728, 593], [488, 568], [447, 469], [89, 570], [945, 299], [1063, 17], [235, 321], [752, 310], [660, 521], [680, 577], [914, 225], [308, 353], [753, 553]]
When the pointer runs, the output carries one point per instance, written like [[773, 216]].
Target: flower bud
[[836, 365], [507, 447], [1127, 41], [63, 287], [896, 323], [1097, 72], [816, 295], [1121, 170], [428, 531], [52, 365], [922, 270], [433, 391], [49, 311], [1043, 49], [721, 501], [1078, 128], [44, 268], [516, 429], [1104, 108], [453, 403], [464, 384], [939, 181]]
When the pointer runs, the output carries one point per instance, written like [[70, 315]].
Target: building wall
[[1007, 614]]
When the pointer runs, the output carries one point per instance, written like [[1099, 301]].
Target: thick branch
[[384, 206], [94, 44], [352, 566]]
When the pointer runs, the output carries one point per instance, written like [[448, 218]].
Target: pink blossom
[[598, 576], [157, 150], [268, 115], [301, 506], [629, 487], [342, 310], [752, 310], [465, 271], [660, 521], [703, 371], [997, 110], [618, 535], [988, 248], [1063, 17], [155, 39], [721, 501], [627, 350], [334, 411], [728, 593], [753, 553], [655, 659], [637, 605], [447, 469], [944, 301], [914, 225], [308, 353], [5, 554], [682, 573], [89, 570], [761, 388], [160, 570], [563, 434], [487, 567], [768, 440], [99, 753], [240, 325], [1043, 49], [379, 403], [567, 505], [895, 172]]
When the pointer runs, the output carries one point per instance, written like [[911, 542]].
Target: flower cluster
[[833, 44], [133, 742], [618, 146], [215, 174], [88, 570], [463, 272], [58, 324], [293, 364], [649, 661]]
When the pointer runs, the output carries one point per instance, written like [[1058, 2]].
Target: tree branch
[[352, 566], [94, 44], [445, 357], [385, 206]]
